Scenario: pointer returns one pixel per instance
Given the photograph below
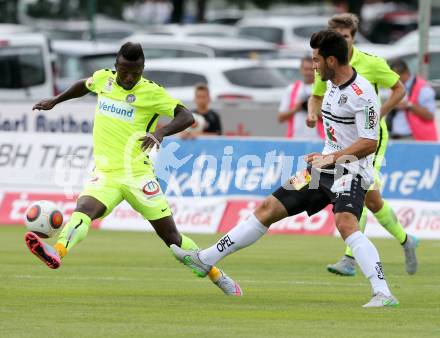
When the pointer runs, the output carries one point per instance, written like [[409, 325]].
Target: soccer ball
[[43, 218]]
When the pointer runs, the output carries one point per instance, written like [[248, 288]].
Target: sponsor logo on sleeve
[[356, 89], [371, 117]]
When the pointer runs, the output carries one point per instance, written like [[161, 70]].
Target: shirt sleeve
[[95, 82], [385, 76], [163, 103], [367, 117], [319, 86], [214, 124], [427, 98], [285, 100]]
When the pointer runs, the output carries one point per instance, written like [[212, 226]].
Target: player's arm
[[397, 94], [360, 149], [283, 116], [385, 77], [315, 101], [183, 119], [313, 110], [78, 89]]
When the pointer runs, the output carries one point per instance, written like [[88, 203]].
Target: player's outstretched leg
[[346, 266], [368, 259], [167, 231], [74, 231], [46, 253], [217, 276], [241, 236]]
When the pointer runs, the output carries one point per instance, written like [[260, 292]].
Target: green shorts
[[141, 191], [379, 156]]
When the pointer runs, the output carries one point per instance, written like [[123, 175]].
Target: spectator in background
[[414, 116], [211, 120], [293, 105]]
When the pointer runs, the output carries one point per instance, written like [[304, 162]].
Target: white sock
[[368, 259], [241, 236]]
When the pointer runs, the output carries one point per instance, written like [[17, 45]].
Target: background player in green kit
[[124, 127], [379, 74]]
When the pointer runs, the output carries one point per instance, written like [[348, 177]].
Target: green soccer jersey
[[122, 117], [375, 69]]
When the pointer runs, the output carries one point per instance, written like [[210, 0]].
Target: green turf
[[127, 284]]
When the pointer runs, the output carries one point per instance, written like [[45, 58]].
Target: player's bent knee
[[346, 223], [270, 211], [90, 206]]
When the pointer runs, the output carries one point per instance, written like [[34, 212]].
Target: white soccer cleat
[[380, 300], [228, 285]]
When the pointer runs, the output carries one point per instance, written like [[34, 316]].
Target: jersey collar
[[349, 82]]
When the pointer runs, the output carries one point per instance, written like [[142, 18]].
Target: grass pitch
[[126, 284]]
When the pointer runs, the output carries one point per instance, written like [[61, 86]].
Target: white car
[[193, 30], [291, 33], [289, 68], [78, 59], [25, 67], [228, 79], [412, 39], [156, 47]]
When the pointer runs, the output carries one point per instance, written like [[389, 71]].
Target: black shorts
[[317, 194]]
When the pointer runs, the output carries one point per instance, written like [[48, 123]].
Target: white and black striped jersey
[[351, 111]]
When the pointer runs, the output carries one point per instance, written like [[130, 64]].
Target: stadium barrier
[[211, 183]]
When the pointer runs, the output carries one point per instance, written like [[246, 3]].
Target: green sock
[[362, 225], [188, 243], [387, 218], [75, 230]]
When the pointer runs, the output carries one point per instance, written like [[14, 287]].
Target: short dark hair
[[202, 86], [330, 43], [344, 20], [399, 66], [131, 52]]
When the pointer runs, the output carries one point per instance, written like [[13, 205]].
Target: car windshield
[[256, 77], [170, 79], [160, 53], [21, 67], [307, 31], [269, 34], [251, 53], [76, 67], [290, 74]]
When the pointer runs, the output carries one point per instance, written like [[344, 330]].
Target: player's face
[[322, 66], [201, 98], [346, 33], [128, 72], [307, 71]]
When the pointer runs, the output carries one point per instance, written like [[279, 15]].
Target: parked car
[[289, 33], [156, 47], [106, 29], [412, 39], [77, 59], [191, 30], [26, 67], [228, 79], [289, 68]]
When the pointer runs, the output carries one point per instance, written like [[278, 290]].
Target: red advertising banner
[[321, 223]]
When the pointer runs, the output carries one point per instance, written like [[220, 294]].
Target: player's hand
[[317, 160], [311, 120], [151, 140], [47, 104]]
